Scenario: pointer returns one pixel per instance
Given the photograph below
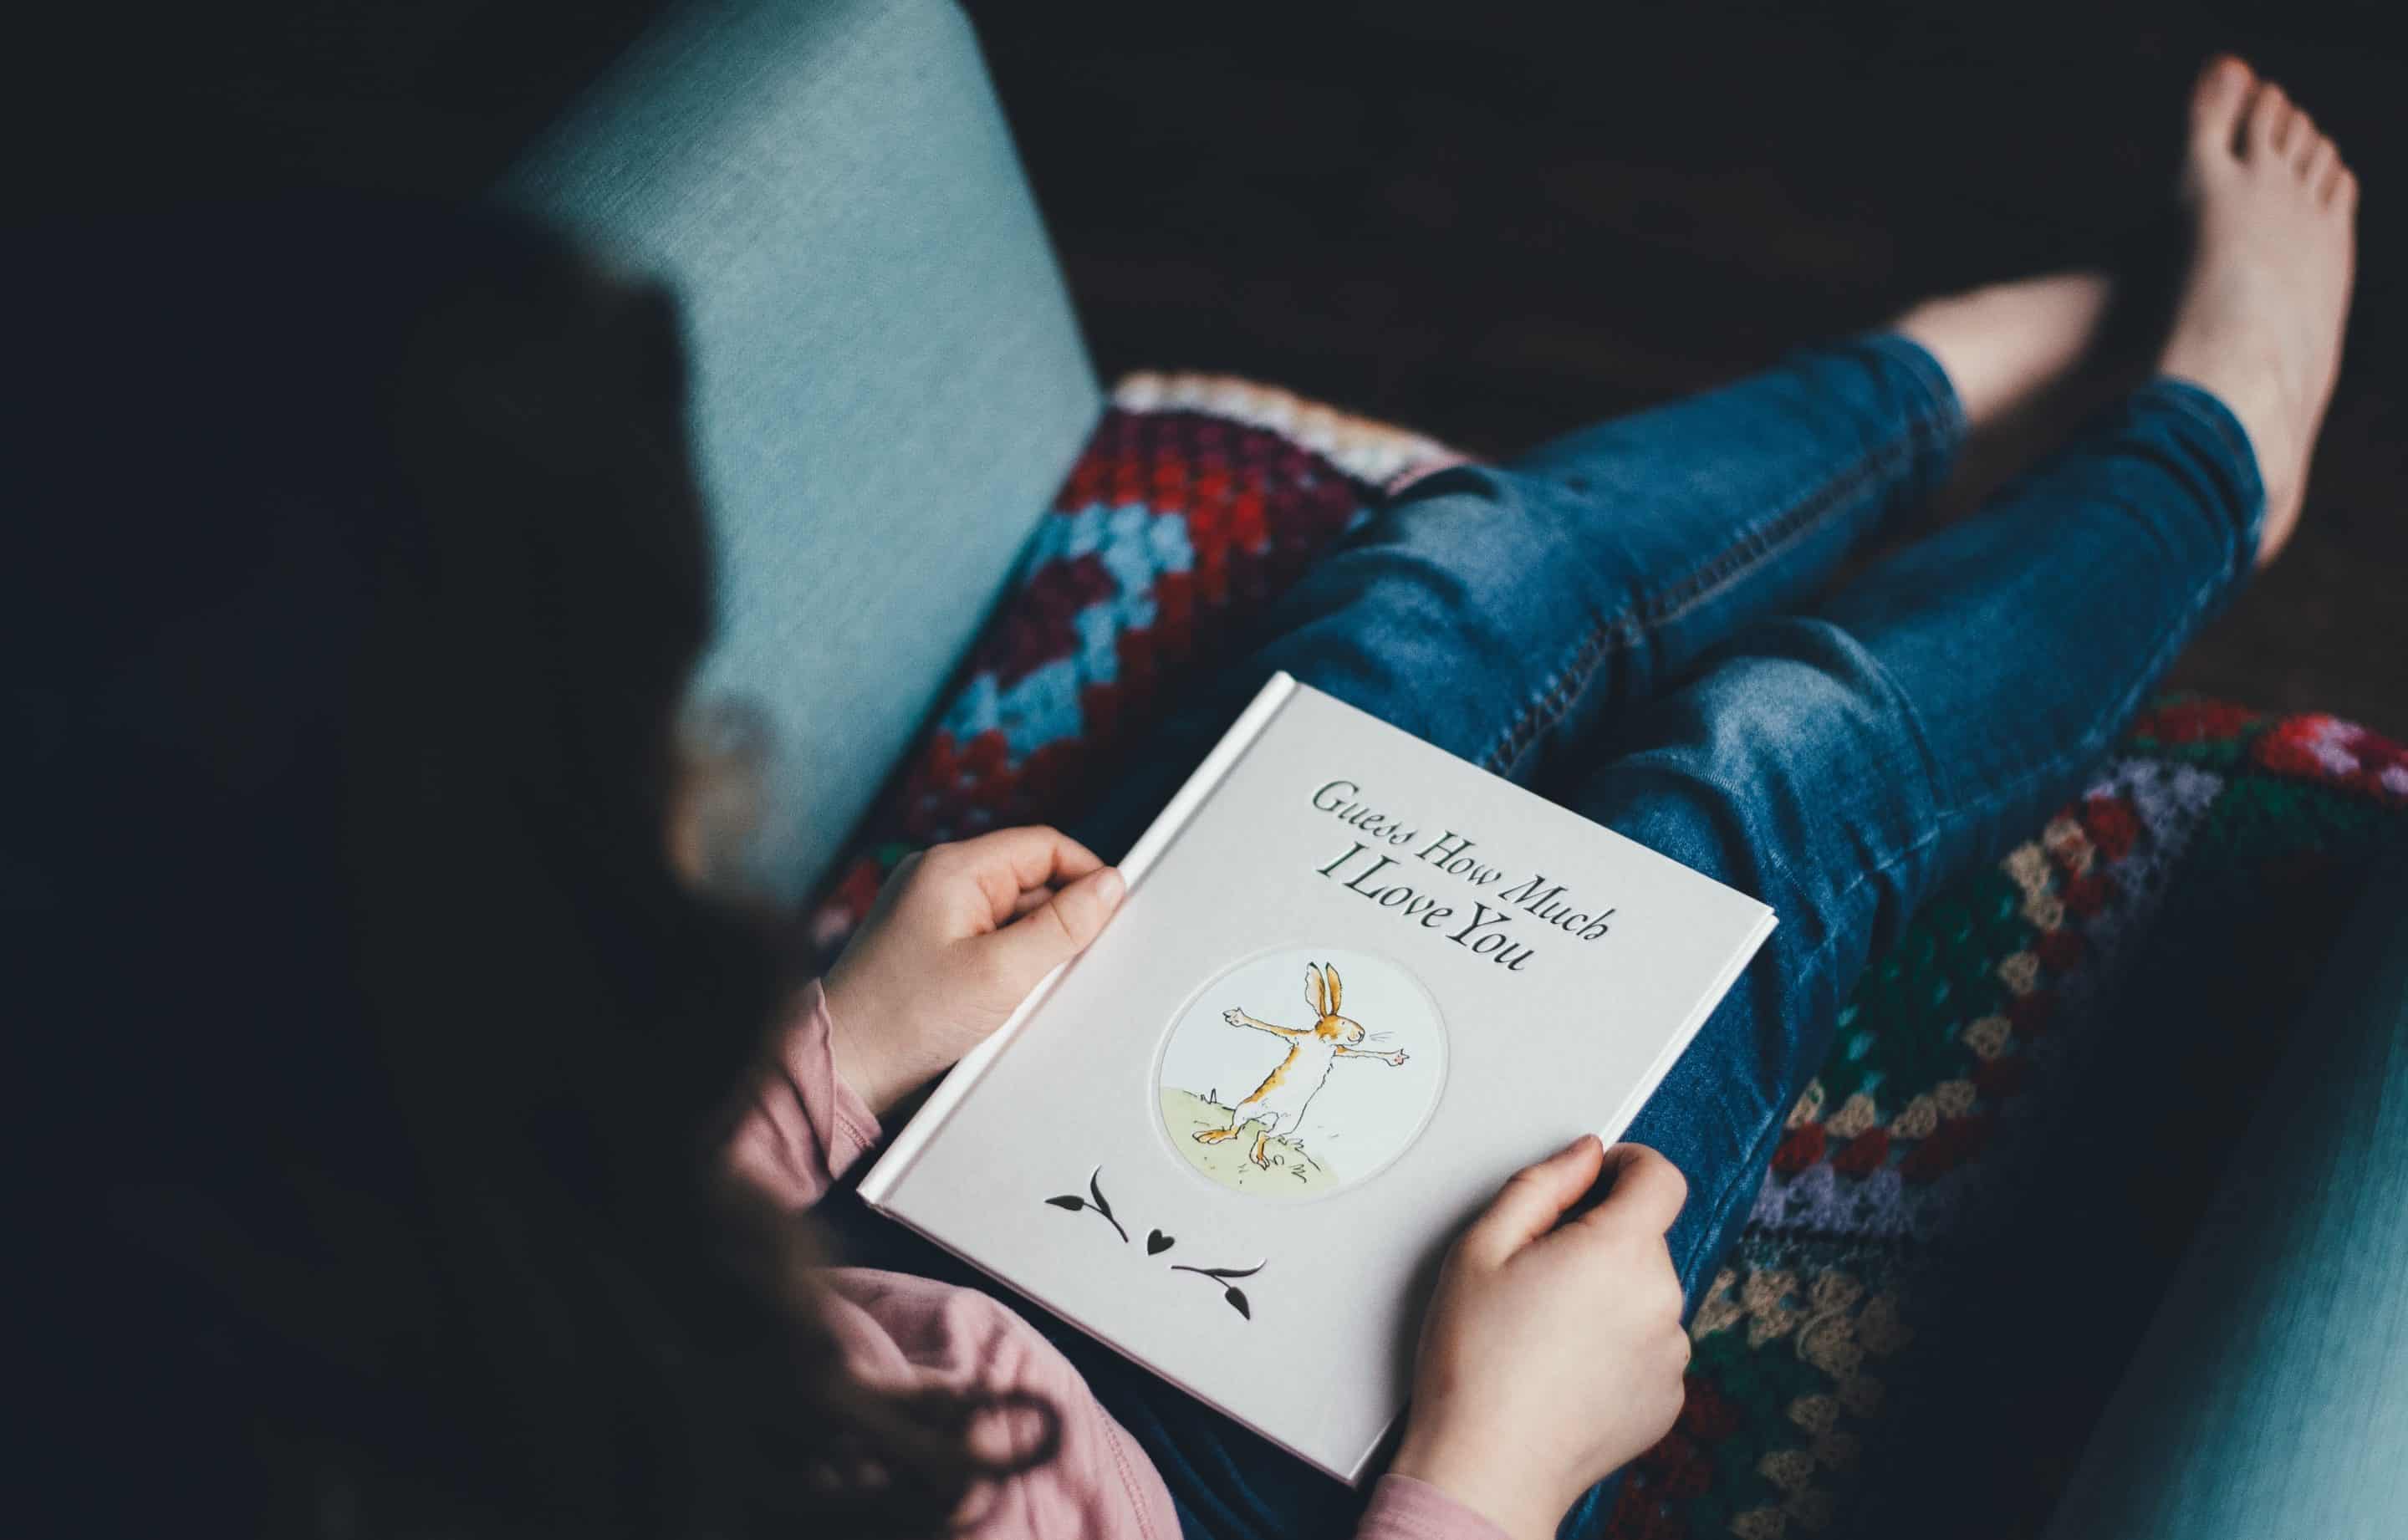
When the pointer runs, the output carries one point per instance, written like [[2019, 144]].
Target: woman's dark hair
[[377, 1051]]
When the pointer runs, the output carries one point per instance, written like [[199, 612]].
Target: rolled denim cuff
[[2217, 435], [1945, 411], [1937, 415]]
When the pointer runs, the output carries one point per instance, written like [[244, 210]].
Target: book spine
[[896, 1163]]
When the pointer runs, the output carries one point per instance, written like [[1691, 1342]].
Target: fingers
[[1025, 900], [1648, 1191], [1008, 863], [1054, 932], [1533, 1200], [1034, 854]]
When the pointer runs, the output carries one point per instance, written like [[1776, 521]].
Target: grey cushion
[[890, 381]]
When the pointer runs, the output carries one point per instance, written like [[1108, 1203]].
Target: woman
[[401, 1187]]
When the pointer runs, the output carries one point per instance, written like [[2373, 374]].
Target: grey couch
[[890, 385], [890, 382]]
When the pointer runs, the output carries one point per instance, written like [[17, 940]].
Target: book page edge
[[1678, 1044]]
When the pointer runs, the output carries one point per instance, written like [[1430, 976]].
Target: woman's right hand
[[1551, 1356]]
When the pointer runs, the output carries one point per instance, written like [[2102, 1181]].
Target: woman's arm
[[1404, 1508], [958, 937], [802, 1125]]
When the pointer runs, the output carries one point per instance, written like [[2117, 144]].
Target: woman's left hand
[[958, 937]]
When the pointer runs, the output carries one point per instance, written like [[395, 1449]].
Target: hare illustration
[[1278, 1103]]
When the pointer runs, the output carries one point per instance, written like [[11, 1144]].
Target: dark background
[[1493, 222], [1489, 221]]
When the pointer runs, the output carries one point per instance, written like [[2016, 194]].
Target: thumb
[[1533, 1199], [1648, 1191], [1056, 930]]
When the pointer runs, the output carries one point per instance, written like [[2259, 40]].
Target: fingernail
[[1576, 1144], [1108, 885]]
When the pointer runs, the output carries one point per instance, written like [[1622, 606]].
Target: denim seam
[[1665, 604], [1737, 560], [1940, 417]]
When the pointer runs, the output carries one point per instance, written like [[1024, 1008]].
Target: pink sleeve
[[803, 1127], [1403, 1508]]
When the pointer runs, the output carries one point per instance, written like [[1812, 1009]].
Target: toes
[[2316, 162], [2301, 139], [2216, 100], [2285, 129], [2270, 115]]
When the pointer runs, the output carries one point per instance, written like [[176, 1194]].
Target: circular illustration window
[[1299, 1072]]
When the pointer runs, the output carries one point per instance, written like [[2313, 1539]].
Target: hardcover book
[[1355, 984]]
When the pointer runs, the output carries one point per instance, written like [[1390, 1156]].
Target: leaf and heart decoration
[[1156, 1242], [1074, 1202], [1230, 1291]]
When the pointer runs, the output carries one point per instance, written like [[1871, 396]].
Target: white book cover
[[1355, 984]]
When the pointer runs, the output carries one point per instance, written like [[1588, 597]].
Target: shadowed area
[[1489, 222], [1494, 222]]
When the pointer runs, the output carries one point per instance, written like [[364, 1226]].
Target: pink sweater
[[804, 1130]]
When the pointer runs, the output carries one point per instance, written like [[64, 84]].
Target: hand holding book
[[959, 935], [1552, 1353]]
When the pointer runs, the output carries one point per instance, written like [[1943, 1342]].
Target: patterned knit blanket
[[1952, 1253]]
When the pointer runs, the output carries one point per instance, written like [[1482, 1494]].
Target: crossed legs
[[1839, 758]]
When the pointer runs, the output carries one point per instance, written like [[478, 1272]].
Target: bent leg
[[1846, 765], [1498, 611]]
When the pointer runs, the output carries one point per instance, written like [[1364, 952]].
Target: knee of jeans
[[1480, 482], [1485, 544], [1794, 769], [1561, 485]]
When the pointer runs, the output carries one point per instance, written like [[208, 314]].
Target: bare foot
[[2003, 346], [2260, 318]]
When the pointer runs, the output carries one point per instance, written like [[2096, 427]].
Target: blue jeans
[[1630, 618]]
